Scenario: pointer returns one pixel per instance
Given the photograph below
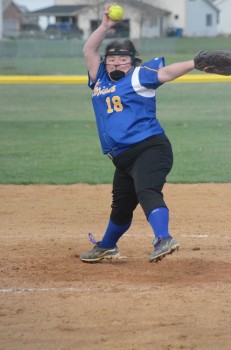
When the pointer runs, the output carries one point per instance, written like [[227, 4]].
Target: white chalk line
[[74, 290], [196, 236], [77, 236]]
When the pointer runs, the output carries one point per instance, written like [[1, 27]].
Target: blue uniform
[[125, 110], [132, 136]]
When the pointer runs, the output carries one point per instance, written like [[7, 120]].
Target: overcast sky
[[35, 4]]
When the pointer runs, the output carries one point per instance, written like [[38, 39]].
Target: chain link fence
[[61, 57]]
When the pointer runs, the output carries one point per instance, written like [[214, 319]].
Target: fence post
[[1, 19]]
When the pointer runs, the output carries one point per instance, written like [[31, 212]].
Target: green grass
[[43, 66], [48, 134], [199, 126]]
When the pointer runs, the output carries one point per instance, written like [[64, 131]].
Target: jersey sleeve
[[148, 75], [101, 71]]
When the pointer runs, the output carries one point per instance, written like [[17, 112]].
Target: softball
[[116, 12]]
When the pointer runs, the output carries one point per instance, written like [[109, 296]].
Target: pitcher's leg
[[149, 173], [124, 199], [124, 202]]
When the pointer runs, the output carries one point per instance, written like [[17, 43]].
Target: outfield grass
[[48, 134]]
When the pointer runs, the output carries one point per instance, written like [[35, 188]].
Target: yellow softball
[[116, 12]]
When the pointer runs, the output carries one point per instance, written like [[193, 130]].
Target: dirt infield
[[51, 300]]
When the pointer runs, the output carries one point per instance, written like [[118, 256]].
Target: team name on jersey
[[98, 91]]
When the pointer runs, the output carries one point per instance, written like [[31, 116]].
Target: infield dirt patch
[[51, 300]]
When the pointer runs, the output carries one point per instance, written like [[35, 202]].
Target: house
[[12, 16], [188, 17], [63, 20], [16, 19], [145, 20], [224, 25], [195, 17], [141, 19]]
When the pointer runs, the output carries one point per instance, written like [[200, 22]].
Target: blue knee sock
[[158, 219], [113, 234]]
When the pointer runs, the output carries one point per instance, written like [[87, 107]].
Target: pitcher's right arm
[[91, 47]]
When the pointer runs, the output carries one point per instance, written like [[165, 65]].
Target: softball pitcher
[[124, 101]]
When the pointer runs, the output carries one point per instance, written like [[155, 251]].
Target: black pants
[[139, 178]]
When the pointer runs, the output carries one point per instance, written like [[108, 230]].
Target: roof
[[7, 3], [60, 10], [212, 4], [23, 9], [147, 8], [71, 10]]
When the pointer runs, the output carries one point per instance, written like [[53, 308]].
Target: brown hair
[[125, 47]]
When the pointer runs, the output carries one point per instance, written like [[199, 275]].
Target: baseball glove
[[216, 62]]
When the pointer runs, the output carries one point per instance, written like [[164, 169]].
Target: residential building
[[189, 17], [16, 19], [224, 25], [12, 17], [141, 19], [195, 17]]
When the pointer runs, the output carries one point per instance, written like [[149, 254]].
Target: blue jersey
[[125, 110]]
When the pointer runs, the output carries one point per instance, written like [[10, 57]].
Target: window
[[209, 21], [119, 30]]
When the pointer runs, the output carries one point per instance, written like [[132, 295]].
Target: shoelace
[[92, 238], [157, 241]]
